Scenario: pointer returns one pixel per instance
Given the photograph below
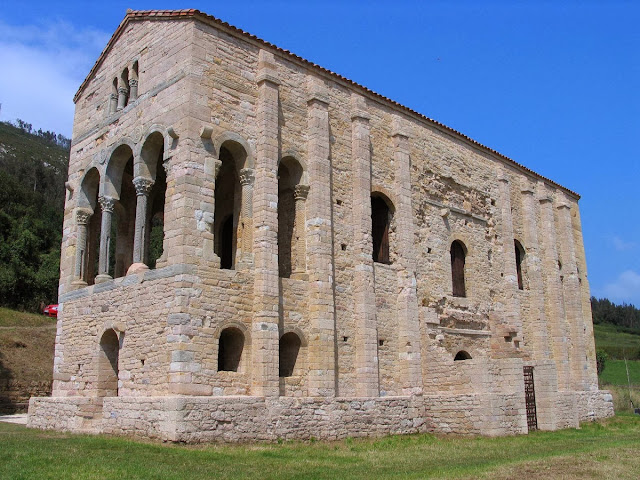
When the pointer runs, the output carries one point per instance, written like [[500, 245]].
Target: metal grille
[[530, 398]]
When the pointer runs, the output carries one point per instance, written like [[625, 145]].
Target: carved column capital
[[107, 203], [133, 83], [246, 176], [123, 90], [82, 217], [143, 186], [300, 192]]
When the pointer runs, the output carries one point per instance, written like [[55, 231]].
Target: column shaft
[[143, 188], [82, 220], [299, 251], [107, 204]]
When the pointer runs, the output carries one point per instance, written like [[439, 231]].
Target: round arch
[[238, 146], [120, 154]]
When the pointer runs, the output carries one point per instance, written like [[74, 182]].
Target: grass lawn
[[608, 449], [615, 373], [616, 343]]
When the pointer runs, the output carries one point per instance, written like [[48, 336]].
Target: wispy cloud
[[626, 288], [621, 246], [43, 65]]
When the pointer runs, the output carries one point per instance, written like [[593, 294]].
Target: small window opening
[[343, 246], [230, 349], [457, 269], [462, 355], [381, 342], [289, 349], [344, 339], [519, 258], [380, 223]]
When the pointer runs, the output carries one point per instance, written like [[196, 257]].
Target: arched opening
[[90, 250], [108, 364], [519, 258], [228, 199], [381, 215], [462, 355], [230, 348], [457, 268], [289, 175], [152, 155], [289, 349]]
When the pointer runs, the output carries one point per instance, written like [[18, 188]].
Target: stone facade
[[257, 248]]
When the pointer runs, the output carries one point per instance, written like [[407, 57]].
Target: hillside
[[33, 170]]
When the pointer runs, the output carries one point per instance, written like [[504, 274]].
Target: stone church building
[[257, 248]]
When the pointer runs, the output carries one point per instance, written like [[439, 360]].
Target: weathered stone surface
[[266, 316]]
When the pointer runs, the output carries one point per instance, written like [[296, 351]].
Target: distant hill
[[33, 171]]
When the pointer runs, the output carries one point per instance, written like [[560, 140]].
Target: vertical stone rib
[[367, 373], [553, 288], [410, 371], [572, 295], [512, 301], [319, 249], [265, 239], [540, 342]]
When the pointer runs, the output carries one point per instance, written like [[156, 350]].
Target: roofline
[[136, 15]]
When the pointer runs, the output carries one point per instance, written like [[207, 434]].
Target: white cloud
[[43, 66], [626, 288], [621, 245]]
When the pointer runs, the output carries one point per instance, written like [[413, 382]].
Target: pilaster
[[265, 239], [410, 371], [367, 369], [538, 324], [552, 287], [572, 294], [319, 248]]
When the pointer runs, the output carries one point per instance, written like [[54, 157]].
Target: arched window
[[108, 364], [457, 269], [380, 226], [289, 175], [289, 348], [519, 258], [230, 348], [462, 355], [228, 200]]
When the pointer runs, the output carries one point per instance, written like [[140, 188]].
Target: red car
[[51, 310]]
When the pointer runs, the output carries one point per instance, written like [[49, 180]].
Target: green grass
[[14, 318], [615, 373], [599, 450], [616, 343]]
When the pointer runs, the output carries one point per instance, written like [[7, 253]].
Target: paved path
[[20, 418]]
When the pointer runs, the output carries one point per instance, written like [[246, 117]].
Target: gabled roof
[[137, 15]]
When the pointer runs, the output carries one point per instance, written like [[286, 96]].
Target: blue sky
[[553, 85]]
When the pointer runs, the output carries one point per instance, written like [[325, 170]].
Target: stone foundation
[[248, 419]]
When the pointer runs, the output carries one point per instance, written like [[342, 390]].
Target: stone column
[[410, 371], [133, 89], [246, 181], [82, 221], [367, 372], [572, 295], [319, 246], [552, 287], [537, 316], [510, 274], [107, 204], [113, 102], [299, 267], [122, 97], [265, 332], [143, 188]]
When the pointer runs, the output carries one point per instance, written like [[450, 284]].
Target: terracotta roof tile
[[133, 15]]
